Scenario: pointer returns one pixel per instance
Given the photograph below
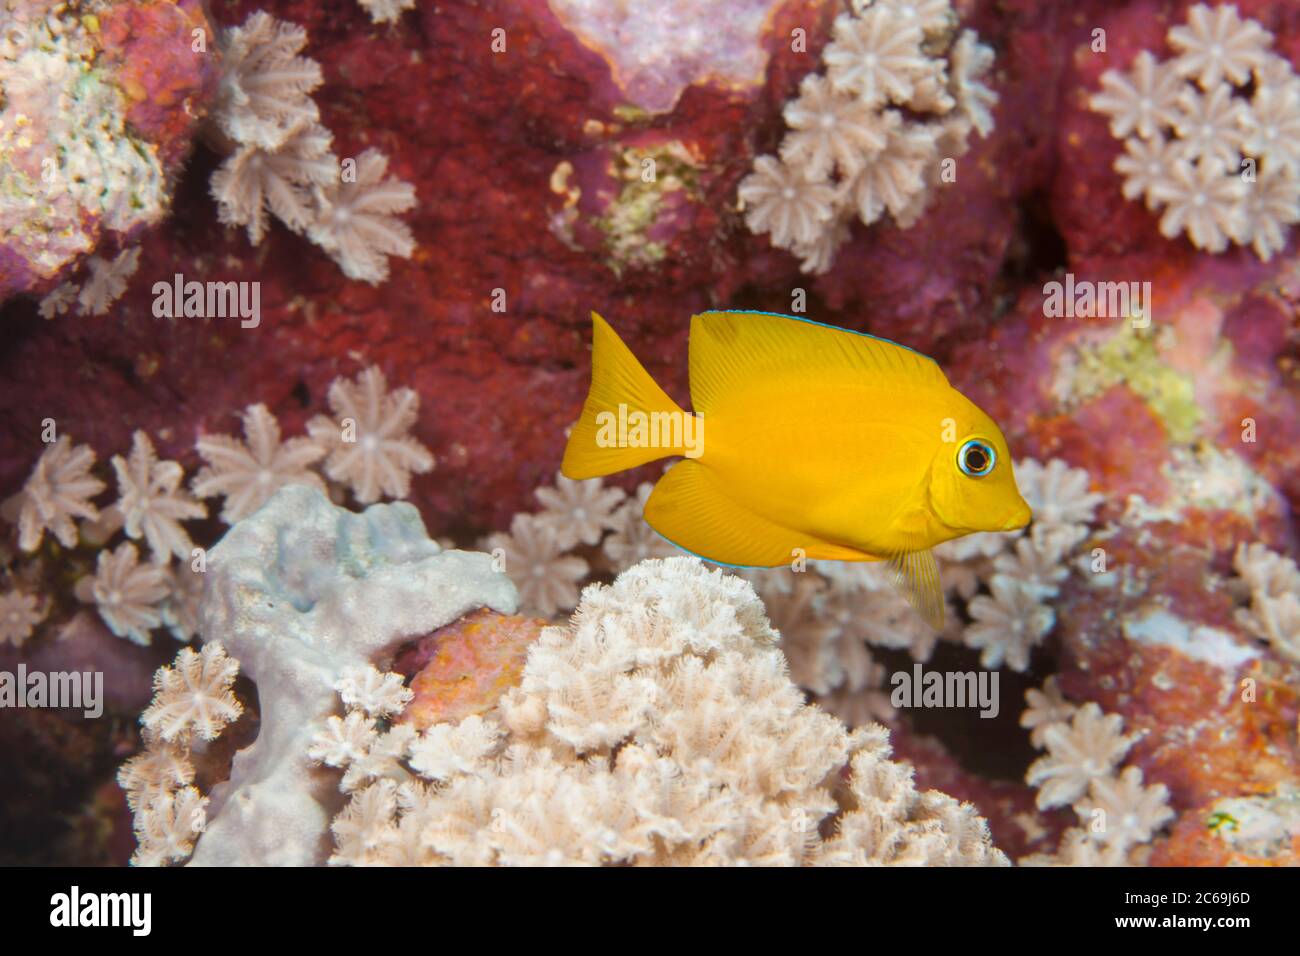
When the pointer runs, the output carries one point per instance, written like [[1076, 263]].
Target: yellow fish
[[821, 443]]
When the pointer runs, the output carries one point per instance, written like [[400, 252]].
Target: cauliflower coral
[[659, 726]]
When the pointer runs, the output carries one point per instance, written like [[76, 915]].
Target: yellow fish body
[[821, 443]]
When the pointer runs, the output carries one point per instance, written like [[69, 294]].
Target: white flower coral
[[152, 502], [368, 440], [107, 281], [248, 472], [1084, 750], [1274, 583], [784, 202], [58, 490], [356, 220], [193, 697], [255, 179], [1009, 623], [633, 539], [535, 560], [901, 92], [1125, 812], [1226, 168], [126, 593], [832, 131], [266, 86], [279, 157], [19, 615], [579, 511], [875, 56]]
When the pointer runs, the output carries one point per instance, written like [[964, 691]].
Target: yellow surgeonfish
[[822, 442]]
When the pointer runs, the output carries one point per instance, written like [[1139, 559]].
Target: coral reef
[[559, 170], [658, 727], [302, 593], [99, 103]]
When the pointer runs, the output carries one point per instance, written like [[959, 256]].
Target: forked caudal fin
[[627, 419]]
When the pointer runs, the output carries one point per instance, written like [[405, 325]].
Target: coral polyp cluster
[[1211, 135], [901, 94]]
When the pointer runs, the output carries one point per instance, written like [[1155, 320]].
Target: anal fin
[[690, 508]]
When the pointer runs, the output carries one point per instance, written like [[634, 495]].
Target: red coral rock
[[464, 668]]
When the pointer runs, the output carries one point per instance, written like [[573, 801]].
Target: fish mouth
[[1019, 518]]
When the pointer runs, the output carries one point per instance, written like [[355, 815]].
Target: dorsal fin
[[729, 350]]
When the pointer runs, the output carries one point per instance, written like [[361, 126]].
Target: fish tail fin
[[626, 417]]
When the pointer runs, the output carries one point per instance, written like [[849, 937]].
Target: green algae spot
[[1221, 820], [1131, 357], [632, 115], [648, 175]]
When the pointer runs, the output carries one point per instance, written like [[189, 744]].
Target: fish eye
[[976, 458]]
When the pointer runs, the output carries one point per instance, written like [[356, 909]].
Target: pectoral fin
[[916, 575]]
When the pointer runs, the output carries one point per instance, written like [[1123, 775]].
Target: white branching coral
[[1212, 136], [152, 502], [194, 696], [368, 441], [126, 593], [1274, 585], [248, 472], [19, 614], [58, 490], [902, 92], [266, 86], [534, 558], [356, 219], [658, 727], [1086, 749]]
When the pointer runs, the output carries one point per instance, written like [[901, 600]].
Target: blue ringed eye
[[976, 458]]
